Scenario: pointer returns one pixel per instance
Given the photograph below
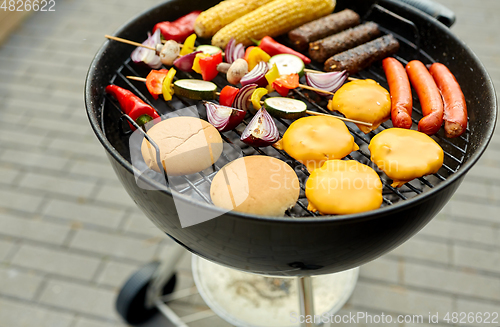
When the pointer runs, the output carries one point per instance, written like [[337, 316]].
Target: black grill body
[[301, 244]]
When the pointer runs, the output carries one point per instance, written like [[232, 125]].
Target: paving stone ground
[[70, 235]]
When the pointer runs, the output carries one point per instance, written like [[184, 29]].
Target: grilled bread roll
[[187, 145], [259, 185]]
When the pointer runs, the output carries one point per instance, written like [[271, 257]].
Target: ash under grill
[[197, 185]]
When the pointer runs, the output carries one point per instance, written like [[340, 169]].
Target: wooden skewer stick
[[119, 39], [307, 70], [135, 78], [180, 44], [315, 113], [312, 113], [315, 89]]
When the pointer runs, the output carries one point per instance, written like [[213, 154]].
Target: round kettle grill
[[301, 243]]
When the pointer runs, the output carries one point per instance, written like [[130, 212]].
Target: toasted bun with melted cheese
[[316, 139], [405, 154], [343, 187], [259, 185], [187, 145], [363, 100]]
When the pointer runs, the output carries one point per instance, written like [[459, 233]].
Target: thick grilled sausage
[[363, 55], [320, 28], [429, 96], [399, 86], [455, 109], [348, 39]]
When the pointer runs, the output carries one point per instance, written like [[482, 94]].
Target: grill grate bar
[[426, 182], [445, 166], [197, 190], [304, 207], [413, 188], [384, 182], [386, 201], [200, 181]]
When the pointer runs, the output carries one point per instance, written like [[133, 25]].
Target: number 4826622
[[28, 5]]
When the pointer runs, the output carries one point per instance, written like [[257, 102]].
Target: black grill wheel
[[131, 300]]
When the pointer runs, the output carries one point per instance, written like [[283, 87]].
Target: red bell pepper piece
[[227, 95], [285, 83], [271, 47], [131, 104], [208, 66], [154, 82], [179, 29]]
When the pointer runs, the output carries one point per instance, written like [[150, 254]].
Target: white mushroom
[[169, 52], [237, 70]]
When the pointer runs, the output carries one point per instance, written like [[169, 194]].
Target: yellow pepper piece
[[256, 96], [271, 76], [166, 87], [196, 62], [255, 56], [188, 46]]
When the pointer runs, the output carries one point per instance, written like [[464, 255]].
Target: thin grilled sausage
[[320, 28], [429, 96], [363, 56], [455, 109], [345, 40], [399, 87]]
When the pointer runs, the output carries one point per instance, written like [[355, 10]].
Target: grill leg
[[163, 274], [306, 300]]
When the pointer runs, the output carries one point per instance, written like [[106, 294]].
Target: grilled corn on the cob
[[274, 18], [215, 18]]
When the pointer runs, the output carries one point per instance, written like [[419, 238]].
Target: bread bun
[[187, 145], [256, 184]]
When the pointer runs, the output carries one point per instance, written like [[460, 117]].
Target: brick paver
[[70, 235]]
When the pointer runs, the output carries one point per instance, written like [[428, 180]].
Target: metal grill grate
[[197, 185]]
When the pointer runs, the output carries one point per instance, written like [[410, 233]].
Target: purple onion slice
[[222, 117], [185, 63], [233, 51], [326, 81], [261, 131], [241, 101], [228, 53], [239, 51], [257, 75], [147, 56]]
